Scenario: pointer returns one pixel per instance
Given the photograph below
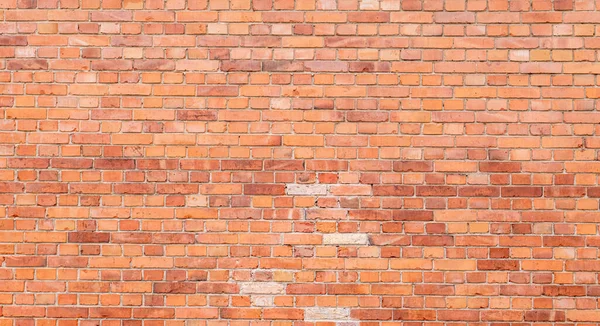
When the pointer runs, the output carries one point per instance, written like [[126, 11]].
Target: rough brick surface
[[299, 162]]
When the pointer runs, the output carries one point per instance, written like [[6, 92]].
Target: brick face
[[306, 162]]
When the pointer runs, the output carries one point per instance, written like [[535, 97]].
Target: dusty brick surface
[[299, 162]]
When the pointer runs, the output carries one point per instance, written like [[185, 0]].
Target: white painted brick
[[262, 288], [306, 190], [326, 314], [346, 239]]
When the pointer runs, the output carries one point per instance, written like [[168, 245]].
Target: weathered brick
[[175, 288], [381, 190], [262, 288], [196, 115], [307, 190], [114, 164], [264, 189], [326, 314], [25, 261], [89, 237], [345, 239], [316, 162]]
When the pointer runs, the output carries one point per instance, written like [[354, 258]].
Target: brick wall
[[280, 162]]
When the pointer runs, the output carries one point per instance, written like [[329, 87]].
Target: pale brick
[[306, 190], [262, 300], [346, 239], [262, 288], [197, 201], [326, 314], [369, 4]]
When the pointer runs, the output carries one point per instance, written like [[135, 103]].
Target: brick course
[[307, 162]]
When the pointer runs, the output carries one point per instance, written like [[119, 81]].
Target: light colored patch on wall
[[346, 239], [262, 288], [299, 189], [369, 5], [326, 314]]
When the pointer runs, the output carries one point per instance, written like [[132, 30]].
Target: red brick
[[240, 65], [13, 40], [240, 313], [430, 240], [283, 313], [564, 291], [64, 312], [462, 315], [414, 314], [438, 191], [412, 215], [114, 164], [380, 190], [347, 289], [28, 163], [264, 189], [371, 314], [71, 163], [241, 165], [89, 237], [25, 261], [27, 64], [430, 289], [305, 289], [164, 313], [564, 191], [364, 160], [511, 265], [175, 287], [545, 315], [11, 187], [522, 191], [478, 191], [217, 91], [409, 166], [23, 311], [196, 115], [112, 312], [499, 167]]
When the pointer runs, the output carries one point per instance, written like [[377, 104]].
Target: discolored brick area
[[305, 163]]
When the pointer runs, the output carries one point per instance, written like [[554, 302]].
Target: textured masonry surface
[[308, 162]]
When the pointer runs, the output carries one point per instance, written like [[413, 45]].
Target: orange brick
[[256, 161]]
